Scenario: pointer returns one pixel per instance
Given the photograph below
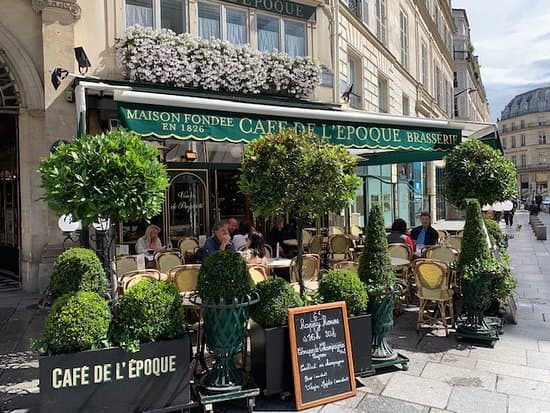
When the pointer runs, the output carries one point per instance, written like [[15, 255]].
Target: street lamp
[[468, 89]]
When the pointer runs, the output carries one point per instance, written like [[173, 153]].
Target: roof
[[534, 101]]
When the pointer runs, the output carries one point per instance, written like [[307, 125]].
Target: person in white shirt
[[150, 241], [241, 238]]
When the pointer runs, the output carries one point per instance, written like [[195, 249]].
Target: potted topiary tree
[[345, 285], [106, 178], [376, 272], [298, 174], [226, 297], [269, 339], [77, 269], [479, 270], [81, 371]]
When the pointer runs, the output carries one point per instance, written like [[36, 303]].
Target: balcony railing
[[354, 6], [462, 55]]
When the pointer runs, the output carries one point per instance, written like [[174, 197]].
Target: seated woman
[[150, 241], [255, 252], [398, 234], [241, 238]]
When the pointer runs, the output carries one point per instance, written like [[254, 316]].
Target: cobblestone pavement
[[444, 375]]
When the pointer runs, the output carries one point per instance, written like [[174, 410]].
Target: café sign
[[183, 123], [282, 7]]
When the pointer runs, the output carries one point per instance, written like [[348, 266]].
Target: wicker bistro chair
[[185, 277], [443, 236], [257, 273], [306, 238], [455, 241], [188, 246], [168, 260], [132, 277], [347, 265], [449, 256], [316, 245], [268, 251], [433, 287], [310, 270], [339, 249], [403, 251], [125, 263]]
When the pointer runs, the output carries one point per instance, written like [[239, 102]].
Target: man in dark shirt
[[220, 241], [538, 200], [277, 235], [425, 234]]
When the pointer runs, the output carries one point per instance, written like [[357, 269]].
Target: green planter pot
[[381, 310], [225, 328]]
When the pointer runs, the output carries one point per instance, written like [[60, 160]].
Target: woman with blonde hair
[[150, 241]]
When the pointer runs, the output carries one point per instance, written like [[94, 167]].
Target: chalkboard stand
[[400, 360]]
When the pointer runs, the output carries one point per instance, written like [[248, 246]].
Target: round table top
[[291, 242], [278, 262], [399, 261]]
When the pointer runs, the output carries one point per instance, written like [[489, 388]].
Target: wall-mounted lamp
[[347, 93], [58, 74], [82, 59], [190, 156]]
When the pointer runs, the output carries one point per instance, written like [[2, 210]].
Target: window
[[457, 112], [209, 21], [542, 158], [236, 26], [514, 160], [455, 79], [523, 162], [354, 67], [406, 105], [542, 138], [522, 143], [404, 36], [220, 22], [513, 126], [365, 11], [269, 35], [383, 95], [513, 141], [541, 121], [424, 68], [166, 14], [503, 142], [437, 85], [522, 124], [381, 20]]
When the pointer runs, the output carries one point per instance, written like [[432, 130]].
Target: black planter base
[[248, 391], [487, 333], [399, 360]]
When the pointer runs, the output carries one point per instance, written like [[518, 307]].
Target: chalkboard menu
[[321, 354]]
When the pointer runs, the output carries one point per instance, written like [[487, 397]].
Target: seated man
[[220, 241], [425, 234]]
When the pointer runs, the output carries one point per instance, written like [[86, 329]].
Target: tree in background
[[297, 173], [475, 170]]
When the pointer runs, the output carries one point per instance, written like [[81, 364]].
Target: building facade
[[524, 127], [470, 99]]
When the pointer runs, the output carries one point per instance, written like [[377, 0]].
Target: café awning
[[378, 138]]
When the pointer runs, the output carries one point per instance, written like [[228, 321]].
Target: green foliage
[[495, 233], [475, 246], [77, 269], [344, 285], [149, 311], [115, 175], [77, 321], [295, 173], [375, 268], [475, 170], [276, 297], [223, 276]]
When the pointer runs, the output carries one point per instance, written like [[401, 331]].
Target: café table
[[451, 226], [279, 262], [398, 262], [290, 242]]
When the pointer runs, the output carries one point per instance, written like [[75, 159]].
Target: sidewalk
[[444, 375]]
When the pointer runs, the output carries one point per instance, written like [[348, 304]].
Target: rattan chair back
[[310, 268]]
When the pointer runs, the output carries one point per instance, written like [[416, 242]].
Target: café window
[[220, 22], [158, 14], [274, 32]]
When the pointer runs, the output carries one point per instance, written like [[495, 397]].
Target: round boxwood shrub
[[223, 276], [276, 297], [77, 269], [149, 311], [77, 321], [344, 285]]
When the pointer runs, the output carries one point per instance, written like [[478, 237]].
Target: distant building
[[470, 100], [524, 128]]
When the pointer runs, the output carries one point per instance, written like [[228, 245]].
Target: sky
[[512, 40]]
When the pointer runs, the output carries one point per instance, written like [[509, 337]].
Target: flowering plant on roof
[[161, 56]]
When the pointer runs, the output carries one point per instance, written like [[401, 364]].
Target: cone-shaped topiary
[[223, 276], [344, 285], [497, 236], [77, 321], [375, 268], [77, 269], [475, 239], [276, 297]]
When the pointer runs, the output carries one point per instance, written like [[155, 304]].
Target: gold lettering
[[299, 11], [272, 126], [131, 114], [56, 378], [245, 122], [361, 133], [350, 131], [259, 129], [324, 128], [374, 134], [396, 137], [339, 130], [310, 128], [409, 137], [169, 126]]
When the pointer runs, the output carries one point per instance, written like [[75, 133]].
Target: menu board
[[321, 353]]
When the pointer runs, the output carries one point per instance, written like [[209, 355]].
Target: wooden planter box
[[113, 380], [271, 366]]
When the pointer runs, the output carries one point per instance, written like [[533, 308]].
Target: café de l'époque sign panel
[[185, 123]]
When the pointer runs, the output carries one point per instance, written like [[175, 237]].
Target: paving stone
[[351, 402], [458, 376], [544, 346], [472, 400], [500, 353], [374, 384], [380, 404], [436, 410], [418, 390], [523, 387], [513, 370], [459, 361], [538, 359], [518, 404], [418, 361]]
